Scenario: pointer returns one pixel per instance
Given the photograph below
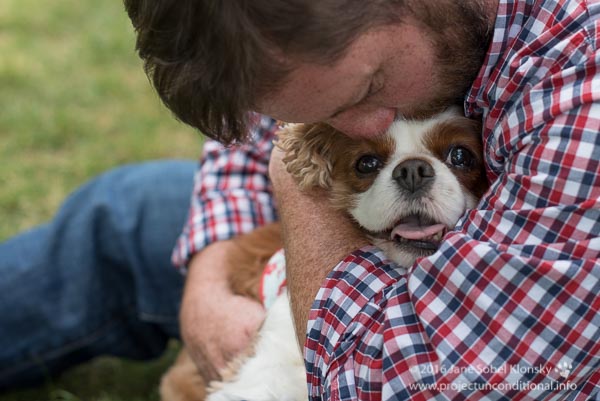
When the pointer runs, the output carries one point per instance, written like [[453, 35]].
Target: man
[[507, 307]]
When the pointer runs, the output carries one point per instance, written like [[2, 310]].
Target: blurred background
[[74, 102]]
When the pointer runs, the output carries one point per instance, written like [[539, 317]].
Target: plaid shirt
[[509, 307]]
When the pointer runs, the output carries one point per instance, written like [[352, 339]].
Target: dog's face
[[405, 188]]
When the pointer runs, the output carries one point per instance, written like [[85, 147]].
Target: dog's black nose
[[414, 174]]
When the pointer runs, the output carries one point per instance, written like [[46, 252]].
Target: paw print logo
[[564, 369]]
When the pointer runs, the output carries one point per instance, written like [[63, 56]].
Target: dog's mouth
[[417, 231]]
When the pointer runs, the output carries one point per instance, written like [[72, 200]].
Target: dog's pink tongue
[[415, 231]]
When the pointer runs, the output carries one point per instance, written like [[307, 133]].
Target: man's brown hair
[[210, 60]]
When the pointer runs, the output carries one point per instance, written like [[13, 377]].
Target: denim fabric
[[97, 279]]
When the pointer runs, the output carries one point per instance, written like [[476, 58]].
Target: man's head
[[351, 63]]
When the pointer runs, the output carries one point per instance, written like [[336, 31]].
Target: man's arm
[[316, 238], [232, 195]]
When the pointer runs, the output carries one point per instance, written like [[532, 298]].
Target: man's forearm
[[316, 238]]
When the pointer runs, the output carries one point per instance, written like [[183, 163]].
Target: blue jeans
[[97, 279]]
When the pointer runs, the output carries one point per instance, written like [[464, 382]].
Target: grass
[[74, 103], [103, 379]]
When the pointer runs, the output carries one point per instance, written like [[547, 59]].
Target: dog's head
[[405, 188]]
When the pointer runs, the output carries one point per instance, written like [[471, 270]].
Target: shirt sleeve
[[508, 307], [232, 193]]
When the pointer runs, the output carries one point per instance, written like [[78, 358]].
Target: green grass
[[104, 379], [74, 102]]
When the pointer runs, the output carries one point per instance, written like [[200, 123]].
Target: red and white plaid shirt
[[509, 307]]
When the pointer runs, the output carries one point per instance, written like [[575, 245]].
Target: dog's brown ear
[[308, 149]]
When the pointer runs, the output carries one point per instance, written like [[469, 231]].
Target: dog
[[406, 189]]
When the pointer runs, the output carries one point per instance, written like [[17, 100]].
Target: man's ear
[[308, 153]]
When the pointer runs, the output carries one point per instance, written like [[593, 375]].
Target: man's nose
[[363, 122]]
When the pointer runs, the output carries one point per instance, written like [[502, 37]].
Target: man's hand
[[216, 325], [316, 238]]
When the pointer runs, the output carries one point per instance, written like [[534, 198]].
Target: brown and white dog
[[406, 189]]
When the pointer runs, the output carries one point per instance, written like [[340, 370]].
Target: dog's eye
[[460, 157], [368, 164]]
